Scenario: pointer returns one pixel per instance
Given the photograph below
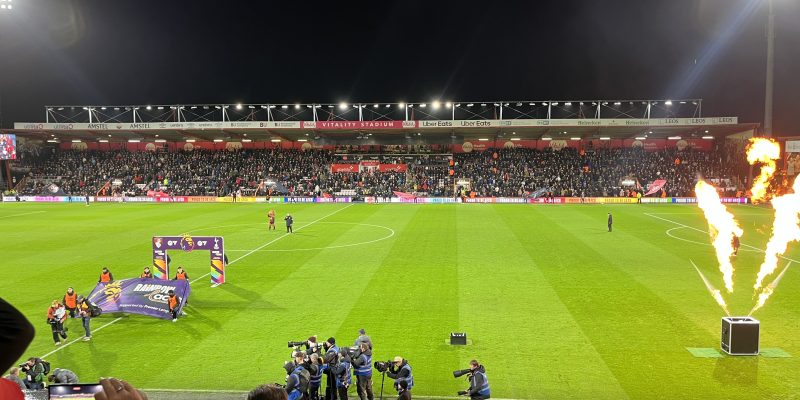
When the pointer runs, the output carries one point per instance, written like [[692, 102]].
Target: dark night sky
[[141, 52]]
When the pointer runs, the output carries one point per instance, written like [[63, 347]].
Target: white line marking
[[669, 233], [273, 241], [19, 215], [392, 232], [706, 232], [79, 338], [207, 274]]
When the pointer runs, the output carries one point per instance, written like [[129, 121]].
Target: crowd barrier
[[369, 199]]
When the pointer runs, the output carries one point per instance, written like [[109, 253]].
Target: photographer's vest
[[484, 389], [316, 379], [346, 374], [366, 369], [410, 378]]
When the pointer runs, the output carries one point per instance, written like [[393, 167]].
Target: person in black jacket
[[478, 382], [402, 391], [400, 371]]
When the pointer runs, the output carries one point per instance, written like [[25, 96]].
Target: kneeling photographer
[[478, 382]]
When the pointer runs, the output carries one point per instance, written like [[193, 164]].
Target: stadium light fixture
[[52, 141], [275, 140], [134, 140], [388, 105], [160, 108], [401, 105], [272, 106], [103, 140], [706, 130], [605, 138], [423, 105], [189, 140], [102, 108], [483, 104], [674, 138], [247, 140], [76, 140], [217, 140], [470, 105], [544, 104], [483, 140], [375, 105], [86, 108], [546, 138], [640, 138], [555, 103], [515, 139], [302, 140], [617, 103], [448, 105], [109, 135], [436, 104], [668, 103], [708, 137], [251, 107], [531, 104], [239, 106], [193, 107], [161, 140], [342, 106], [574, 138], [297, 106], [284, 106], [568, 103]]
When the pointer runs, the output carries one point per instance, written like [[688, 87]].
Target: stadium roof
[[436, 121]]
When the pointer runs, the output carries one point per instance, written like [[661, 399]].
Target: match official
[[610, 221], [289, 221]]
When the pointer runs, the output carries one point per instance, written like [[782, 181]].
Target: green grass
[[554, 306]]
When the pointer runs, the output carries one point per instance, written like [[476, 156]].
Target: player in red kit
[[271, 216], [735, 243]]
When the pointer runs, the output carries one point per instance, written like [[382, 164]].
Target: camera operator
[[343, 373], [362, 363], [330, 359], [401, 371], [35, 371], [478, 382]]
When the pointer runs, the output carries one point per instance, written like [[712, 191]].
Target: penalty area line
[[273, 241]]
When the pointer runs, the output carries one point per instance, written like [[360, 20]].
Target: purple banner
[[139, 296]]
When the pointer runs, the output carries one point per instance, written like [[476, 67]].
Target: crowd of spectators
[[605, 172], [494, 172]]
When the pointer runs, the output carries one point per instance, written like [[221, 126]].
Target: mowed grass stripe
[[272, 291], [522, 309]]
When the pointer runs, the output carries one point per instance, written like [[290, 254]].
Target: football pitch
[[553, 305]]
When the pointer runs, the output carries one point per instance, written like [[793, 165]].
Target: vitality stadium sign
[[139, 296]]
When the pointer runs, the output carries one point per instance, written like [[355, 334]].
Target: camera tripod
[[383, 377]]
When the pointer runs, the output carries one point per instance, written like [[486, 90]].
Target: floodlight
[[605, 138], [401, 105], [708, 137], [640, 138], [547, 138], [375, 106], [423, 105], [436, 105], [217, 140], [574, 138], [342, 106], [275, 140], [297, 106], [448, 104], [247, 140], [668, 103], [515, 139], [674, 138], [284, 106], [239, 106]]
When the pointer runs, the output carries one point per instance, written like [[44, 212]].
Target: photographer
[[330, 359], [363, 338], [401, 371], [297, 379], [35, 371], [315, 379], [343, 373], [478, 382], [363, 371], [62, 376]]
